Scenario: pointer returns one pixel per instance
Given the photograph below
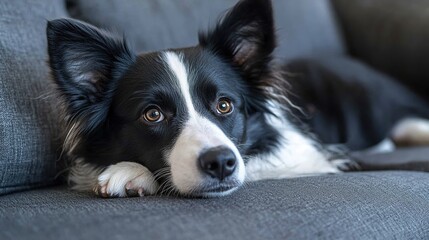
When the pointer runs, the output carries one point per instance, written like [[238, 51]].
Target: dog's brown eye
[[153, 115], [224, 106]]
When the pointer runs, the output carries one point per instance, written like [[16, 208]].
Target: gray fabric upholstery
[[391, 35], [304, 27], [27, 124], [413, 158], [381, 205]]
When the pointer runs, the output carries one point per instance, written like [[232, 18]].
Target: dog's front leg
[[125, 179]]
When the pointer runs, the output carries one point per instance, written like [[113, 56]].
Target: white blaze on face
[[197, 135]]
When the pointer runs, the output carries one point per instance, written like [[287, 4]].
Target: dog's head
[[182, 113]]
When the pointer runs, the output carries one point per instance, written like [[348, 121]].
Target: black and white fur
[[107, 89]]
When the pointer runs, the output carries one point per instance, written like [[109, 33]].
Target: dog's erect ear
[[245, 35], [86, 64]]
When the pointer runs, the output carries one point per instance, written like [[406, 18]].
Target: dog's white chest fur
[[297, 155]]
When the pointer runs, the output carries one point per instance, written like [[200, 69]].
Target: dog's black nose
[[219, 162]]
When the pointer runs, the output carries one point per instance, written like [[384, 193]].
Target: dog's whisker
[[165, 184], [162, 186], [170, 190], [162, 174]]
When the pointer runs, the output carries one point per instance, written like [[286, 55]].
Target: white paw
[[125, 179]]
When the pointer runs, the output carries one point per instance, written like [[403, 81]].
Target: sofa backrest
[[304, 27], [391, 35]]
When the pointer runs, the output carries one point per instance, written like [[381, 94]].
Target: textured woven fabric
[[27, 123], [304, 27], [372, 205], [415, 159]]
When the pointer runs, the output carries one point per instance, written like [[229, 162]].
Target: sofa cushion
[[27, 124], [408, 158], [305, 27], [369, 205], [391, 35]]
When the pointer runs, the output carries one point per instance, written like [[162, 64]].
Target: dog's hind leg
[[411, 132], [401, 151]]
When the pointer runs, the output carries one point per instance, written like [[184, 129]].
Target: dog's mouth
[[205, 190], [217, 190]]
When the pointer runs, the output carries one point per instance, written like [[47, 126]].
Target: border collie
[[196, 121]]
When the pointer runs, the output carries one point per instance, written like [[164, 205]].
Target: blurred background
[[390, 35]]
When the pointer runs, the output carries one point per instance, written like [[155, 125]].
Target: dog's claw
[[103, 192], [131, 191], [140, 192]]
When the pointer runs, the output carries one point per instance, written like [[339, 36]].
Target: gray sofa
[[34, 204]]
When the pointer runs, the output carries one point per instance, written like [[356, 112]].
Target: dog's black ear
[[86, 64], [245, 36]]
